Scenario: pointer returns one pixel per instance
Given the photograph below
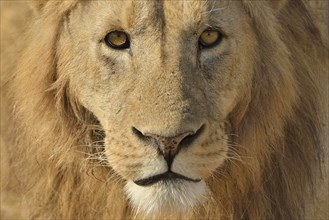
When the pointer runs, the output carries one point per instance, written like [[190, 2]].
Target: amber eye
[[210, 38], [117, 40]]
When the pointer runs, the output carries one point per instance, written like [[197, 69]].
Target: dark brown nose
[[169, 147]]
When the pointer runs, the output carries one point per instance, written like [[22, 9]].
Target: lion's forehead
[[163, 16]]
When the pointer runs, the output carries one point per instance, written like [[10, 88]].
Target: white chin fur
[[165, 199]]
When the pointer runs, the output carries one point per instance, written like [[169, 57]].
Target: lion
[[162, 110]]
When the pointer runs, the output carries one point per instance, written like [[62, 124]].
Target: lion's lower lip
[[163, 177]]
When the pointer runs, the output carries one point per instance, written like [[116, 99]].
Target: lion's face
[[163, 98]]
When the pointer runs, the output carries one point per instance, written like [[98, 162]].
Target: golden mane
[[277, 126]]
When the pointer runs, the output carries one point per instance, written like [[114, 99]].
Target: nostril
[[139, 134], [187, 141], [180, 141], [169, 146]]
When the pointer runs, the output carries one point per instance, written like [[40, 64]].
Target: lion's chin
[[166, 198]]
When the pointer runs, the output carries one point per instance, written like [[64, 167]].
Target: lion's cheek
[[199, 165], [228, 101], [133, 162]]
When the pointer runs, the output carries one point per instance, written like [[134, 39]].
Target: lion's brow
[[145, 15]]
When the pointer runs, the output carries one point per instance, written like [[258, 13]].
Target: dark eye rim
[[202, 45], [123, 46]]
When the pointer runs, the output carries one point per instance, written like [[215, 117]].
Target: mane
[[274, 132], [279, 131]]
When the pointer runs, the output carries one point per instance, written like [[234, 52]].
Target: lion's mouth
[[168, 176]]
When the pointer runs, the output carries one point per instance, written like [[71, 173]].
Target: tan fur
[[69, 104]]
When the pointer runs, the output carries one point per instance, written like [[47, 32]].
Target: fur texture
[[72, 103]]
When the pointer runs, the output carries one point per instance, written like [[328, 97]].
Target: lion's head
[[161, 79], [185, 107]]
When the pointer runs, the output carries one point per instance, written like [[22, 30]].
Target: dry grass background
[[13, 12]]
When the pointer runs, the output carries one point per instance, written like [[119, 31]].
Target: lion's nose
[[169, 147]]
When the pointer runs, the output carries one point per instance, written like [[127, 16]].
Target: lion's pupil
[[117, 40], [209, 38]]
